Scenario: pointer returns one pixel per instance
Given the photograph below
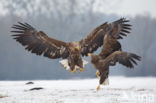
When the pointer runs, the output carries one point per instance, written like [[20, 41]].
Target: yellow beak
[[89, 54]]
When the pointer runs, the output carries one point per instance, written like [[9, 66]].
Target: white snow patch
[[120, 90]]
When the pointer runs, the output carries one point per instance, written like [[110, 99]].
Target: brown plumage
[[111, 54], [102, 65], [39, 43]]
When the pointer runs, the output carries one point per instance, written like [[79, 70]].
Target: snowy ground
[[120, 90]]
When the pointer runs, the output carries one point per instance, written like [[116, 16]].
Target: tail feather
[[65, 64]]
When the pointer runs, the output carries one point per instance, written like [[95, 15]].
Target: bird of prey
[[110, 54], [39, 43]]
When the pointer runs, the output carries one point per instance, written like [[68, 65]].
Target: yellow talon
[[81, 69], [98, 87], [97, 74], [74, 71]]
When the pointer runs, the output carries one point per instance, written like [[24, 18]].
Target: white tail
[[64, 63]]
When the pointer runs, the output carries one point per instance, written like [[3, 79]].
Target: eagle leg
[[81, 69], [97, 74], [98, 87], [74, 71]]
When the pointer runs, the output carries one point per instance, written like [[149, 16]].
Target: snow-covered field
[[120, 90]]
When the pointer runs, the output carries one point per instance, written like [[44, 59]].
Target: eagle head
[[75, 46]]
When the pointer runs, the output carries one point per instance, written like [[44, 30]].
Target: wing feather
[[120, 28], [124, 58], [38, 42], [117, 29], [110, 45]]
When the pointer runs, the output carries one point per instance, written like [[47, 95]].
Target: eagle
[[111, 54], [39, 43]]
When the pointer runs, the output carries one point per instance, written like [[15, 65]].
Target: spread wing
[[124, 58], [38, 42], [118, 29]]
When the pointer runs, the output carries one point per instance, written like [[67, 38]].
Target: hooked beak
[[89, 54]]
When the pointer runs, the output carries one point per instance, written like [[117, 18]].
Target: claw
[[98, 87], [74, 71], [97, 74], [81, 69]]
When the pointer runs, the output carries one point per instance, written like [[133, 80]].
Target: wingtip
[[137, 57], [19, 22], [127, 25]]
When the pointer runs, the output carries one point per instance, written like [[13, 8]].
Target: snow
[[120, 90]]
